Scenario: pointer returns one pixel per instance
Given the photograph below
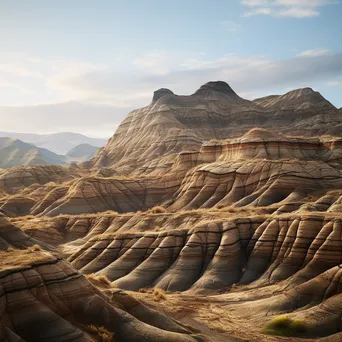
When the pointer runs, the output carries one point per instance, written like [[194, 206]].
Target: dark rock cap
[[218, 86], [160, 93]]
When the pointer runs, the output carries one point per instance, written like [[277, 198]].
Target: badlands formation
[[205, 218]]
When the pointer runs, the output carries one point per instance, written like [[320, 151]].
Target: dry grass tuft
[[102, 334], [102, 279], [143, 290], [158, 210], [158, 295], [21, 218], [18, 259], [108, 212], [285, 326], [51, 184], [34, 248]]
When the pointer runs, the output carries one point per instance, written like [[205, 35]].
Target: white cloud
[[298, 12], [259, 10], [245, 75], [19, 70], [61, 71], [255, 3], [305, 3], [286, 8], [335, 83], [153, 61], [4, 84], [315, 53], [131, 85]]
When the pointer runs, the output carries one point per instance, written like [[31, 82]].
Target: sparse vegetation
[[34, 248], [143, 290], [285, 326], [102, 279], [51, 184], [158, 294], [158, 210], [22, 218], [16, 259], [109, 212], [102, 334]]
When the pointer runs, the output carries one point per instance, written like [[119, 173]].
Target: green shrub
[[285, 326]]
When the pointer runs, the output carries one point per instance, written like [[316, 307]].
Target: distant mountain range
[[60, 143], [67, 117], [82, 152], [15, 152]]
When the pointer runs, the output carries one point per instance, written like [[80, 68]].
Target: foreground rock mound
[[220, 214], [44, 298], [215, 254]]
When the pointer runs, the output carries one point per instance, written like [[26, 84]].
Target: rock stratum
[[205, 218]]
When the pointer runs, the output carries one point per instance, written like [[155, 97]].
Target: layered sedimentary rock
[[230, 206], [174, 153], [44, 298], [211, 253], [173, 123], [300, 253], [21, 176], [215, 254], [260, 168]]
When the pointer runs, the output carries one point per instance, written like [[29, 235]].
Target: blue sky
[[116, 53]]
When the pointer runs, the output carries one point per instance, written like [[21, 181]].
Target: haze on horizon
[[81, 66]]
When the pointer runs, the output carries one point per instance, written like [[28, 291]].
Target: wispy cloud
[[153, 61], [132, 85], [19, 70], [4, 84], [335, 83], [285, 8], [123, 88], [315, 53], [246, 75]]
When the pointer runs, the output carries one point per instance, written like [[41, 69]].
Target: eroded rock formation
[[218, 212]]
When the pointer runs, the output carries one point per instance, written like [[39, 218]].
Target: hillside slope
[[16, 152], [220, 217], [172, 123], [82, 152]]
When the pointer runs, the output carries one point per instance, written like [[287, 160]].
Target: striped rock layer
[[259, 169], [217, 198], [43, 298]]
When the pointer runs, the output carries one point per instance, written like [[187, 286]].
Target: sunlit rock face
[[261, 168], [217, 213], [172, 123]]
